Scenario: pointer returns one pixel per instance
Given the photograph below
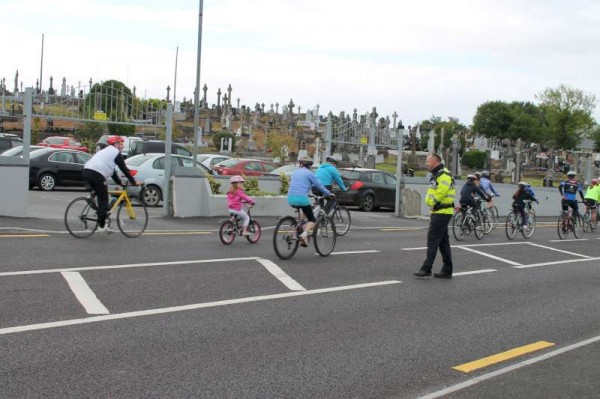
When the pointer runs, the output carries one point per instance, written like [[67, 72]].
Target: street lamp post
[[197, 91]]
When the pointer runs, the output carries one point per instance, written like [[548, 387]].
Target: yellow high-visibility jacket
[[441, 192]]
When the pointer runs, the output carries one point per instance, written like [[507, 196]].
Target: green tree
[[492, 119], [116, 100], [567, 114], [451, 126], [509, 121]]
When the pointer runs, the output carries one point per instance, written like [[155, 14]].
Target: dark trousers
[[100, 187], [437, 237]]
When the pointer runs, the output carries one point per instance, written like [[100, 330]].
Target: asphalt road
[[175, 313]]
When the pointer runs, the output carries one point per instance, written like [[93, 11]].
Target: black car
[[368, 189], [52, 167], [9, 141], [156, 146]]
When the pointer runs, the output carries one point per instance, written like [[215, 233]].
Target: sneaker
[[106, 230], [303, 239], [422, 273], [525, 227]]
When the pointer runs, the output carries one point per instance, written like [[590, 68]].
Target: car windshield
[[202, 157], [229, 163], [55, 140], [41, 152], [17, 151], [137, 160], [285, 169]]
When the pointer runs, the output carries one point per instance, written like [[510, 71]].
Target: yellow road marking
[[23, 235], [500, 357], [178, 233]]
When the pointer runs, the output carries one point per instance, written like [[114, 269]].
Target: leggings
[[241, 213]]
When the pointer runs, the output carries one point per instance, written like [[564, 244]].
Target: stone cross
[[16, 82], [51, 89], [133, 91], [229, 94], [63, 87], [225, 100], [276, 108], [219, 98], [271, 110], [394, 115], [168, 92], [238, 104], [204, 89], [262, 108]]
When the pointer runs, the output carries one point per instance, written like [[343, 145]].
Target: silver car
[[150, 169]]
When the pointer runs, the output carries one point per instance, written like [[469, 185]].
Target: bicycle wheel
[[324, 236], [80, 218], [562, 227], [587, 222], [457, 227], [478, 226], [496, 217], [530, 225], [577, 226], [488, 224], [512, 223], [132, 221], [285, 242], [227, 232], [255, 232], [342, 220]]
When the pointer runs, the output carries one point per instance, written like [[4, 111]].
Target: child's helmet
[[571, 173], [522, 183], [236, 179]]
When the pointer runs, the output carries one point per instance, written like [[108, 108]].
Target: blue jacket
[[302, 180], [327, 174]]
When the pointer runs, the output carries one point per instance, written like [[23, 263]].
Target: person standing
[[440, 198]]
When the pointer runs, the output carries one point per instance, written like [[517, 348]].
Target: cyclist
[[568, 190], [591, 198], [327, 173], [301, 181], [519, 198], [486, 185], [99, 168], [235, 197], [468, 192]]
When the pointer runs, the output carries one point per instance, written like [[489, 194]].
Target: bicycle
[[514, 222], [339, 214], [489, 218], [465, 222], [81, 217], [568, 223], [588, 225], [232, 227], [287, 231]]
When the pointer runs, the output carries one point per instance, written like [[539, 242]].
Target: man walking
[[440, 198]]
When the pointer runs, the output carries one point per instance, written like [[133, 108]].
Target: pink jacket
[[234, 201]]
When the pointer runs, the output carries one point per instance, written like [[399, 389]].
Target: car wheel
[[47, 182], [368, 203], [151, 196]]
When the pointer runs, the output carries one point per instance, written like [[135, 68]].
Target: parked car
[[63, 142], [209, 160], [18, 151], [52, 167], [156, 147], [101, 143], [8, 141], [150, 169], [368, 189], [288, 169], [246, 167]]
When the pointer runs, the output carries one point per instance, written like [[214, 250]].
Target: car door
[[159, 170], [390, 196], [379, 186], [81, 159], [252, 168], [65, 167]]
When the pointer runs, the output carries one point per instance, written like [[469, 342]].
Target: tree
[[567, 114], [492, 119], [116, 100], [451, 126]]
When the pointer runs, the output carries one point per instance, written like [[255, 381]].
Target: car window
[[216, 160], [182, 151], [390, 180], [137, 160], [188, 163], [62, 157], [160, 163], [377, 178], [350, 174], [4, 144], [229, 163], [269, 167], [253, 166], [82, 158], [202, 158]]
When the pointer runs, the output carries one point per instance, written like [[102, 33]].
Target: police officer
[[440, 198]]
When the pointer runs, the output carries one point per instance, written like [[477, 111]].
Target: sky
[[416, 58]]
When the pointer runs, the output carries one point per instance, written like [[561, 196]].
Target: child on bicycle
[[519, 198], [235, 197]]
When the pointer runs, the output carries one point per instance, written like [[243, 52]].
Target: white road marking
[[569, 240], [474, 272], [369, 251], [476, 380], [510, 262], [558, 262], [84, 293], [150, 312], [471, 245], [281, 275], [558, 250]]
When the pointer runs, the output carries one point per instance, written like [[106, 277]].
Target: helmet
[[114, 139], [485, 173], [522, 183], [236, 179], [472, 177], [306, 161], [478, 175], [329, 158], [571, 173], [594, 182]]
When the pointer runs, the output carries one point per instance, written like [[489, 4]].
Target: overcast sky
[[418, 58]]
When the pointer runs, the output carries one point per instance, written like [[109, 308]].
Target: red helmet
[[114, 139]]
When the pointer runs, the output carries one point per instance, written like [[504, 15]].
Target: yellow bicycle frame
[[122, 195]]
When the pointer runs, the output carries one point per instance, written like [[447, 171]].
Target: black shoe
[[442, 275], [422, 273]]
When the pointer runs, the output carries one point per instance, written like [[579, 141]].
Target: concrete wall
[[14, 177], [549, 197]]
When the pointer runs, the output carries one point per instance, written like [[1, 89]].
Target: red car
[[63, 142], [244, 167]]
